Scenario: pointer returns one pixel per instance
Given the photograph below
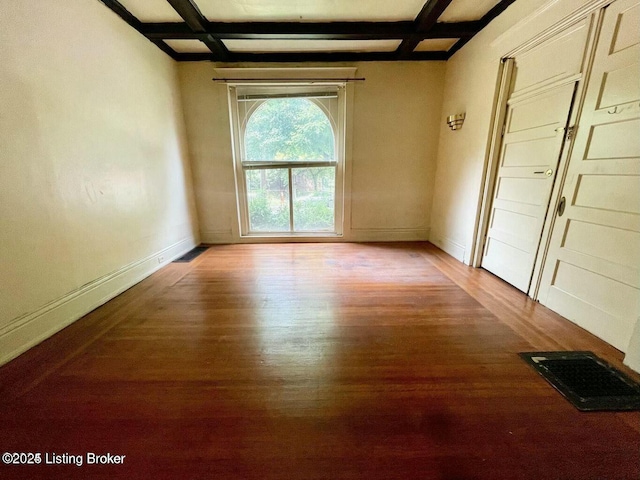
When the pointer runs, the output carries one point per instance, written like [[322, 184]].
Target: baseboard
[[388, 234], [212, 237], [355, 235], [632, 357], [449, 246], [28, 330]]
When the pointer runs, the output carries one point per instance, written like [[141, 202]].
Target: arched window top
[[289, 129]]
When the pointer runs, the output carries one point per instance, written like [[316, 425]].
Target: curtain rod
[[253, 98], [299, 80]]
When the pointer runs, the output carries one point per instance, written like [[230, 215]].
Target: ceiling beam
[[123, 13], [169, 31], [128, 17], [298, 57], [199, 24], [166, 48], [197, 27], [190, 14], [451, 30], [310, 31], [430, 13], [426, 19], [483, 22], [494, 12], [315, 31], [287, 30]]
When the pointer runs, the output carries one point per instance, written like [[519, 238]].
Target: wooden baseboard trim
[[26, 331], [388, 234], [447, 245]]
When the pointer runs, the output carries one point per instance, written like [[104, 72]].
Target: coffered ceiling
[[308, 30]]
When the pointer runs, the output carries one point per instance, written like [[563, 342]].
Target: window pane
[[268, 200], [289, 129], [313, 199]]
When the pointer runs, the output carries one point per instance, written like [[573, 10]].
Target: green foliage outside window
[[289, 129], [294, 129]]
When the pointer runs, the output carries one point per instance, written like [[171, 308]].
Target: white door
[[538, 111], [531, 148], [592, 271]]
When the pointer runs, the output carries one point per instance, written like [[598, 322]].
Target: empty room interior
[[320, 239]]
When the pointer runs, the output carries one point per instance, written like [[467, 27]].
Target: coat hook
[[615, 110]]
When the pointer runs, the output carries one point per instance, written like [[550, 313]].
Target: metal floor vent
[[587, 381], [187, 257]]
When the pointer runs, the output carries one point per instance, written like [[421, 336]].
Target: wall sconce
[[455, 121]]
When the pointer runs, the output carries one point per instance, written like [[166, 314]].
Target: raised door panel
[[558, 58]]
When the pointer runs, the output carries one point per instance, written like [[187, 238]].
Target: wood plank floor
[[312, 361]]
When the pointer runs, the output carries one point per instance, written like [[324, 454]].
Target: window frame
[[239, 121]]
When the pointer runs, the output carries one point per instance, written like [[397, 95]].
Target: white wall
[[470, 86], [396, 115], [94, 180]]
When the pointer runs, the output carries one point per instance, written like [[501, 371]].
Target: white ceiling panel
[[436, 44], [152, 10], [270, 46], [309, 10], [188, 46], [467, 10]]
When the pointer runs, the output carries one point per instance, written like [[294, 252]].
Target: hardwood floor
[[312, 361]]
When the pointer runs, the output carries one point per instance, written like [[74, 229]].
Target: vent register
[[586, 380]]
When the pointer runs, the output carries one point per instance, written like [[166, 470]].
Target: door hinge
[[503, 130], [571, 131]]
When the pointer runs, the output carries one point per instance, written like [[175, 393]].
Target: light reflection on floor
[[295, 327]]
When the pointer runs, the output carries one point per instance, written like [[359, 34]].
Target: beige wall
[[94, 182], [471, 79], [395, 116]]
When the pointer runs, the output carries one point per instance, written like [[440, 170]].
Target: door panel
[[609, 141], [617, 193], [577, 239], [531, 148], [528, 153], [625, 31], [592, 272], [542, 66], [619, 86]]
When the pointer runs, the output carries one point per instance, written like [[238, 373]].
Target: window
[[288, 154]]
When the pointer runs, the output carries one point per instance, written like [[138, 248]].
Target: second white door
[[531, 148]]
